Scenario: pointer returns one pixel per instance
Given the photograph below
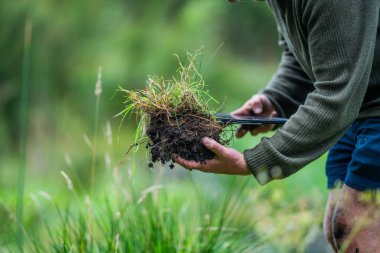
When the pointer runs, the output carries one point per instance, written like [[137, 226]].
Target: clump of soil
[[182, 135], [174, 115]]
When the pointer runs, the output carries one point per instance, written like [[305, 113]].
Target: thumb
[[213, 146], [257, 106]]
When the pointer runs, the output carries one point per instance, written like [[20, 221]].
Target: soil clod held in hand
[[182, 135], [174, 116]]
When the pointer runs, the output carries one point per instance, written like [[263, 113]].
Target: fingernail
[[258, 110]]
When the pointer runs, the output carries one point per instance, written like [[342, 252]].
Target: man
[[328, 84]]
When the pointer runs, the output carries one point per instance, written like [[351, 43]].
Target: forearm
[[290, 85]]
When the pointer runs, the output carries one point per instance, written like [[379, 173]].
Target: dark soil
[[182, 135]]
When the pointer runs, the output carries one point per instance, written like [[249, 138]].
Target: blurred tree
[[249, 30]]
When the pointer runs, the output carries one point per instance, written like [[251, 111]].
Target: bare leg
[[329, 214], [356, 222]]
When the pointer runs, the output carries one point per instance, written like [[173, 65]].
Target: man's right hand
[[258, 105]]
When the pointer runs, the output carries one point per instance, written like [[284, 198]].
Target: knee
[[340, 228]]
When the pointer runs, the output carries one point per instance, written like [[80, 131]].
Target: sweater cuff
[[262, 165]]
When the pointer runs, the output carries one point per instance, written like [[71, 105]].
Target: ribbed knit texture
[[329, 76]]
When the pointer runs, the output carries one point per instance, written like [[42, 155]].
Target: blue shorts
[[355, 158]]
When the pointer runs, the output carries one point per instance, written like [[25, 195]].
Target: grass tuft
[[187, 90], [174, 114]]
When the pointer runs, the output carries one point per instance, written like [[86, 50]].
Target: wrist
[[243, 167]]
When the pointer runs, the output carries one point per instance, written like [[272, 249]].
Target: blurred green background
[[129, 40]]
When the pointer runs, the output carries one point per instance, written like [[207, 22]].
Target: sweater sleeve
[[290, 85], [341, 36]]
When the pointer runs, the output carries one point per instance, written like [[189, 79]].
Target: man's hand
[[227, 160], [258, 105]]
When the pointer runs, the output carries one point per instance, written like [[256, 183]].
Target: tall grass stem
[[24, 114], [98, 92]]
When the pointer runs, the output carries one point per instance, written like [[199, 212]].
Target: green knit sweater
[[329, 76]]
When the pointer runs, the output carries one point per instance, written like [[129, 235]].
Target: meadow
[[66, 182]]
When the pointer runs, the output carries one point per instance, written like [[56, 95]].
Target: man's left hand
[[227, 161]]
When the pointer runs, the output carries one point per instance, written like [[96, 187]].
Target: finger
[[191, 165], [258, 130], [243, 129], [217, 166], [241, 132], [210, 166], [257, 106], [214, 146], [262, 129], [254, 132]]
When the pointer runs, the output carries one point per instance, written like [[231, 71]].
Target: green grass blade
[[23, 131]]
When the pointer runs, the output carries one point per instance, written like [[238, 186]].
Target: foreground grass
[[163, 210], [125, 218]]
